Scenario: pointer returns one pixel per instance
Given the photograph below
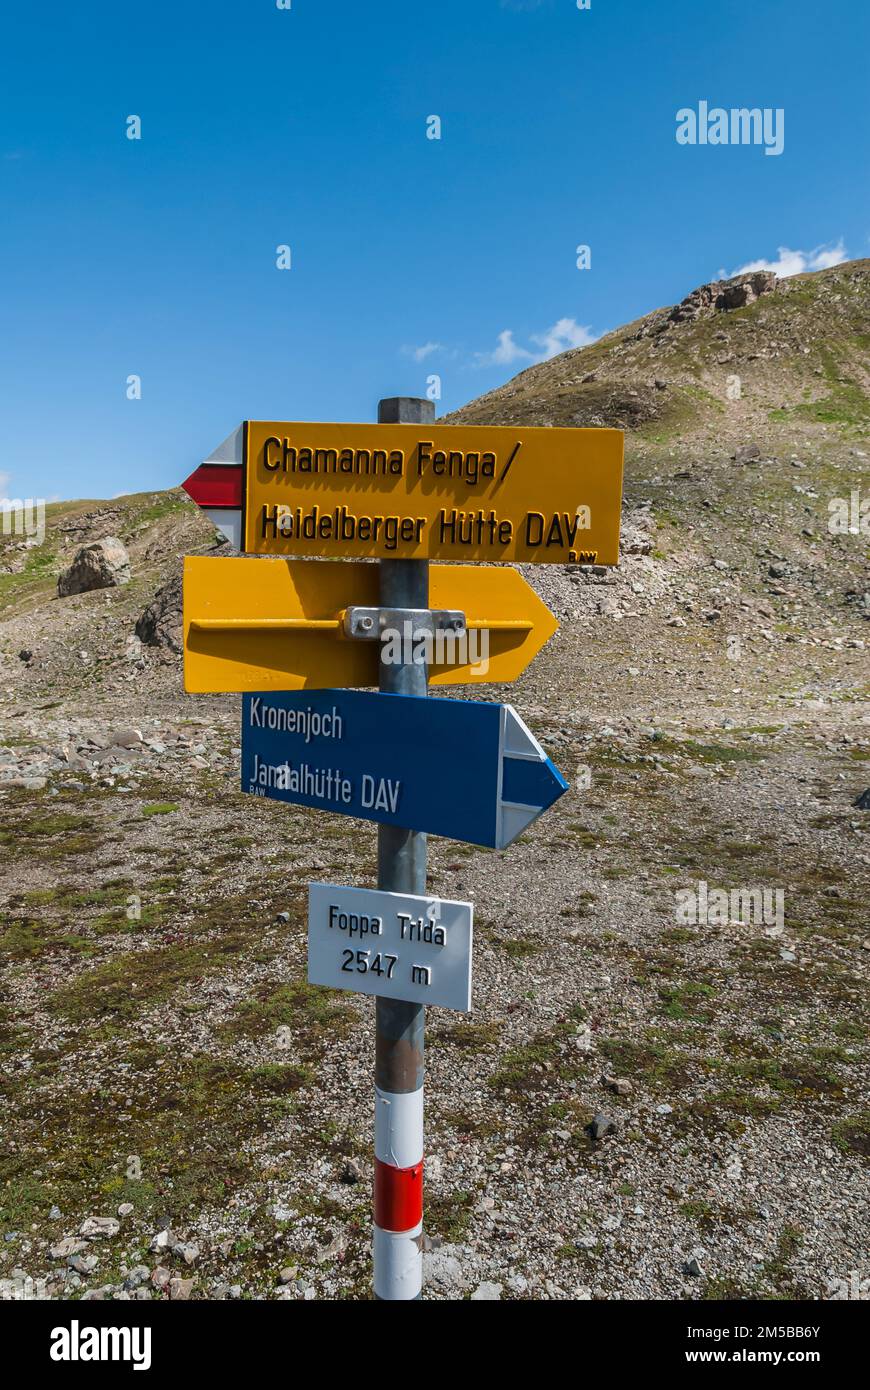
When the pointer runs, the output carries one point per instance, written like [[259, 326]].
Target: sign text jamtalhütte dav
[[449, 492]]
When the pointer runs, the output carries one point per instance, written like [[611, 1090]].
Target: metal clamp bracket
[[369, 624]]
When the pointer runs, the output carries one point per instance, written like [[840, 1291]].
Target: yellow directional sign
[[445, 492], [259, 625]]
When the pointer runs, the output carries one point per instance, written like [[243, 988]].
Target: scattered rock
[[600, 1125], [442, 1268], [160, 625], [619, 1085], [99, 1227], [69, 1246], [335, 1250], [351, 1171], [487, 1293], [127, 738]]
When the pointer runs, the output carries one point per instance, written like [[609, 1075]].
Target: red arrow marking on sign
[[215, 485]]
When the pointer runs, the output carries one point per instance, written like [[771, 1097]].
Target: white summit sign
[[395, 945]]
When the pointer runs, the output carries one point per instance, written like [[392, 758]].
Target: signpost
[[460, 768], [394, 945], [425, 492], [288, 633], [281, 624]]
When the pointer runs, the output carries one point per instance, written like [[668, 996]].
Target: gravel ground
[[175, 1067]]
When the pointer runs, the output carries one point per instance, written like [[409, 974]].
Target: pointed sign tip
[[531, 783], [215, 485]]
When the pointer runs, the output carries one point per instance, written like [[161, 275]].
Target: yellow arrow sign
[[278, 624], [417, 492], [447, 492]]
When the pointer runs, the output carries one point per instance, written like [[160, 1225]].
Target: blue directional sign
[[461, 768]]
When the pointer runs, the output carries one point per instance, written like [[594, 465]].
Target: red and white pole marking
[[398, 1228]]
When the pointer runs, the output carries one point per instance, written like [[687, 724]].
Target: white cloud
[[565, 333], [504, 353], [420, 354], [5, 480], [797, 262]]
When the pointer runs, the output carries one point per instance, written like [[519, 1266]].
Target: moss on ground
[[180, 1122]]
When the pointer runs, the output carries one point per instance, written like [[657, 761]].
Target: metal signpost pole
[[400, 1026], [401, 760]]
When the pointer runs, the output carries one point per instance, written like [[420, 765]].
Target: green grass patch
[[852, 1134], [472, 1037], [314, 1015]]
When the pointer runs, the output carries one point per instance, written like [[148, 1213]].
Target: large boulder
[[719, 296], [101, 565], [736, 294], [161, 623]]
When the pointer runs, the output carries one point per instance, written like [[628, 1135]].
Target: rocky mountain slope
[[682, 1103]]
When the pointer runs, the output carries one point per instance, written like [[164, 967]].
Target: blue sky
[[307, 127]]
